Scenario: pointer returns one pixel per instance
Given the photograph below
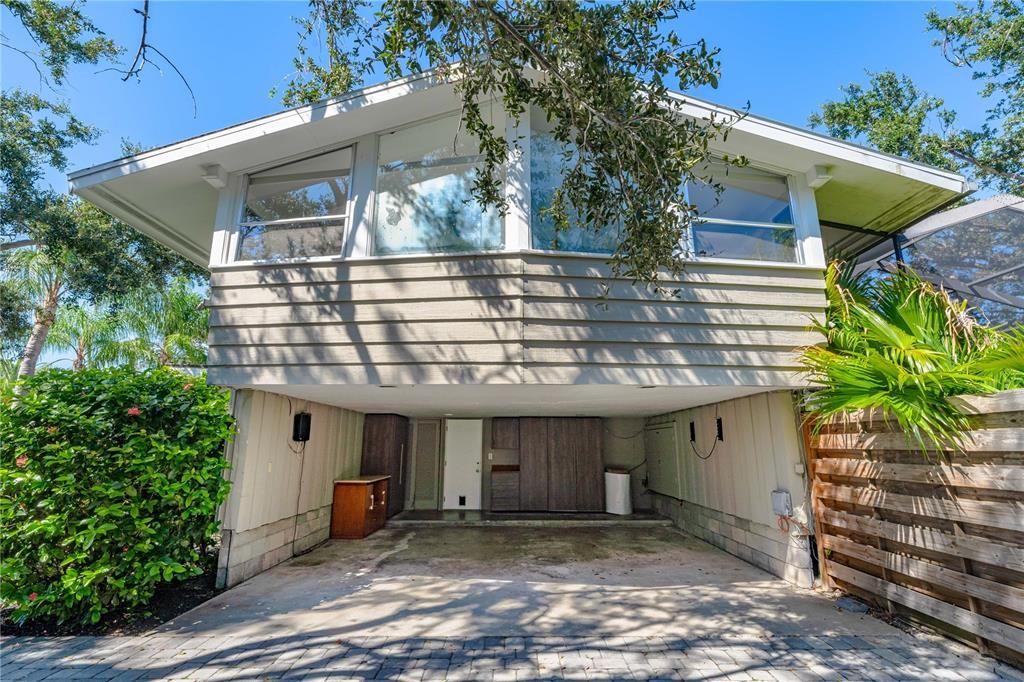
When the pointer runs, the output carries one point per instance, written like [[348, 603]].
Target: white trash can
[[616, 492]]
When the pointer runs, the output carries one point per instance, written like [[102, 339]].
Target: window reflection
[[298, 209], [723, 240], [424, 200], [545, 177]]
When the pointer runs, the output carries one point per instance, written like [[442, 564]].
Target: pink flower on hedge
[[33, 596], [186, 387], [134, 412], [21, 461]]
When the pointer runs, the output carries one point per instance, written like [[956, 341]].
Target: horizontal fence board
[[985, 476], [991, 629], [1005, 401], [1008, 515], [988, 590], [987, 440], [975, 548], [945, 530]]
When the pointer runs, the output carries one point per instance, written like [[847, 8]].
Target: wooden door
[[563, 449], [533, 463], [385, 447], [426, 465], [589, 437]]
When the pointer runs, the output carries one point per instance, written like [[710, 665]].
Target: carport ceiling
[[513, 401]]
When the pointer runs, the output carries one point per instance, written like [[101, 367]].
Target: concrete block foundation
[[784, 555], [247, 553]]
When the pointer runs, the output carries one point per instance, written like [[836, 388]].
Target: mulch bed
[[170, 600]]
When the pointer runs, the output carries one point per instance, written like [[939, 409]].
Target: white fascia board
[[256, 128], [821, 144], [383, 92]]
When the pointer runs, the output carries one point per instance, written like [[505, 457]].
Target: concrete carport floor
[[584, 602], [520, 581]]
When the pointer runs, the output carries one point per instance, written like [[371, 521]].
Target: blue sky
[[786, 58]]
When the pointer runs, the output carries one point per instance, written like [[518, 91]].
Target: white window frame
[[371, 236], [517, 229], [235, 244], [791, 196]]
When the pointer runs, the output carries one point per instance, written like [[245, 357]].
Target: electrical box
[[782, 503]]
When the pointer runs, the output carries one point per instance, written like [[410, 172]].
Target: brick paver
[[772, 659]]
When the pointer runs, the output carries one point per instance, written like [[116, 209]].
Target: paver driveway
[[510, 603]]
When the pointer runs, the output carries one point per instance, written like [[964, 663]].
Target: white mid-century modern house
[[473, 356]]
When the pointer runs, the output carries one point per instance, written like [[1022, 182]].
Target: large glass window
[[546, 159], [297, 209], [424, 199], [750, 218]]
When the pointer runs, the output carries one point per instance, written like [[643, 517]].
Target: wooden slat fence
[[937, 538]]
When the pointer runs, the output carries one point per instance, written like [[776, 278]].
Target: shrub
[[111, 483], [902, 346]]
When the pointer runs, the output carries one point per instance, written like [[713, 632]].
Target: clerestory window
[[751, 218], [297, 210], [424, 199]]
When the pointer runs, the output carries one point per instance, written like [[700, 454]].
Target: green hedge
[[111, 483]]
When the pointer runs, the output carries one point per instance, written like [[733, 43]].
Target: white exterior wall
[[726, 499], [280, 502]]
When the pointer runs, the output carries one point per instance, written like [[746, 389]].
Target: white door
[[463, 448]]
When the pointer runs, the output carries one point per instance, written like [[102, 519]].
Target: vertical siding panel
[[267, 472]]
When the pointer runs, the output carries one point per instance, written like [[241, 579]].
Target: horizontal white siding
[[508, 318]]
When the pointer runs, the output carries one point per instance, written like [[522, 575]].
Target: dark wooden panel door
[[533, 463], [589, 465], [385, 450], [563, 445], [505, 433]]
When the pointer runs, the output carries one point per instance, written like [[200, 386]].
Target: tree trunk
[[45, 315], [79, 362]]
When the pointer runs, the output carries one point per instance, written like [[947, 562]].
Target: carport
[[513, 602]]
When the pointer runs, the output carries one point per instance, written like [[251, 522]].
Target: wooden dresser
[[360, 506]]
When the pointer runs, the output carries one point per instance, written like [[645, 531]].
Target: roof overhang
[[162, 193]]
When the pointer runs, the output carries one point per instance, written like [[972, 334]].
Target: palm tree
[[163, 327], [899, 345], [90, 333], [41, 278]]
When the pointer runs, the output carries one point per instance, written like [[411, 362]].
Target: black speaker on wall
[[300, 427]]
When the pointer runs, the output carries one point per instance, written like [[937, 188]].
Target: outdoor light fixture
[[300, 427]]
